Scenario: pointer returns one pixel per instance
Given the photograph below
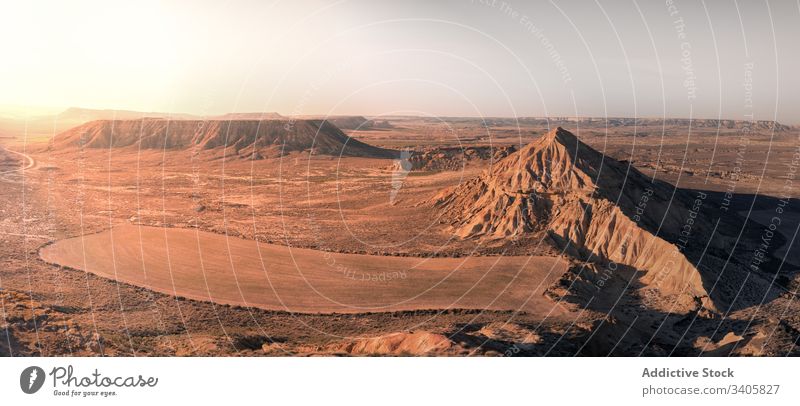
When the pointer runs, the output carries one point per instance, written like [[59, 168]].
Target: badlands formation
[[590, 206]]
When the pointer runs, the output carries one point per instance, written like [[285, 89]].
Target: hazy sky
[[438, 58]]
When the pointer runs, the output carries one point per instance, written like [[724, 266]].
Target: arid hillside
[[246, 138]]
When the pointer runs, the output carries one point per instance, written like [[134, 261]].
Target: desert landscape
[[352, 202], [295, 235]]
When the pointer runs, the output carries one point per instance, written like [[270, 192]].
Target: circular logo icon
[[31, 379]]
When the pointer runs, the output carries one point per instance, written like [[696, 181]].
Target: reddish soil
[[207, 266]]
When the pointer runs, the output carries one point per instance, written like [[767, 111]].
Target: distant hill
[[84, 115], [602, 122], [248, 138], [352, 122], [249, 116], [49, 125]]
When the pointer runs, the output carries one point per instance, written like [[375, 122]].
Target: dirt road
[[29, 162]]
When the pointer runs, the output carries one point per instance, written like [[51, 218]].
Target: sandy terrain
[[206, 266]]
